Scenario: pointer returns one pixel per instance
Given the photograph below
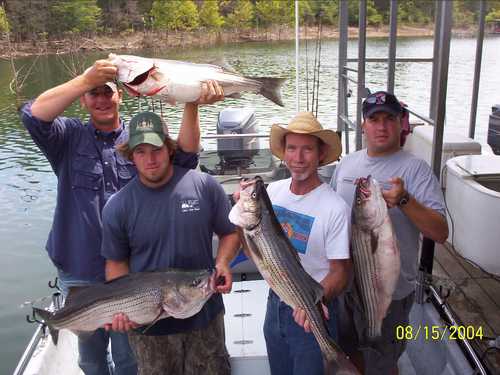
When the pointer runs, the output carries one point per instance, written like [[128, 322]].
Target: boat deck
[[474, 298]]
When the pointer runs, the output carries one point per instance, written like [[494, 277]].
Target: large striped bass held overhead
[[280, 265], [180, 82], [144, 296], [375, 253]]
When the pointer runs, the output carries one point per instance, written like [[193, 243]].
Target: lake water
[[28, 186]]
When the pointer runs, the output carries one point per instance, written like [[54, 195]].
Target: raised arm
[[189, 133], [54, 101]]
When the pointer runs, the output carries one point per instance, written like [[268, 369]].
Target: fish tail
[[271, 88], [45, 315]]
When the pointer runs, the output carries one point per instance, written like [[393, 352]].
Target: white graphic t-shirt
[[316, 223]]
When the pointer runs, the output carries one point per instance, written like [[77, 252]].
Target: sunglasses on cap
[[377, 98], [105, 90]]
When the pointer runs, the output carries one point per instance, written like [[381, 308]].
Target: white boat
[[474, 221]]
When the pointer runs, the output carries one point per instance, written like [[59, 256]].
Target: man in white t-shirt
[[316, 220]]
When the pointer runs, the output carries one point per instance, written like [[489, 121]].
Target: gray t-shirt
[[171, 226], [419, 181]]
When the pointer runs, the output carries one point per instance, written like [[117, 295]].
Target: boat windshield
[[237, 162]]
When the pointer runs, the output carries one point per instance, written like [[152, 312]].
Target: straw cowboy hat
[[305, 123]]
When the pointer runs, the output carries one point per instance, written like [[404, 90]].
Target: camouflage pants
[[198, 352]]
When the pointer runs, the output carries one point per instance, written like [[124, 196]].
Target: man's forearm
[[116, 268], [189, 133], [337, 278], [229, 244], [431, 223], [54, 101]]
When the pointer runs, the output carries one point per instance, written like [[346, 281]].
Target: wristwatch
[[404, 199]]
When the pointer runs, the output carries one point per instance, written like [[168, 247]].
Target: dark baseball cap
[[381, 101], [146, 127]]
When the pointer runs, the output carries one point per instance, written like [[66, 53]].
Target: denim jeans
[[93, 350], [290, 349]]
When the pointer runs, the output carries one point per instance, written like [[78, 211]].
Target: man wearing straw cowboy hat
[[316, 220]]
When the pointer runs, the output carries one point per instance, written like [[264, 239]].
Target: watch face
[[404, 200]]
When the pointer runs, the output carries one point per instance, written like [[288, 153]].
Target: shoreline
[[174, 40]]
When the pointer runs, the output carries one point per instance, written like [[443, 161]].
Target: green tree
[[463, 13], [273, 12], [329, 9], [210, 16], [27, 19], [171, 15], [416, 11], [4, 22], [241, 14], [75, 16], [373, 17]]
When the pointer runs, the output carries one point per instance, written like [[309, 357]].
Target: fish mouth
[[363, 189]]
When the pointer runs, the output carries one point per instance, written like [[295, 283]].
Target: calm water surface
[[28, 186]]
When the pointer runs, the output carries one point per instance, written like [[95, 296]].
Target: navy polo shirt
[[89, 170]]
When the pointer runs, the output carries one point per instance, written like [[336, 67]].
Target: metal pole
[[435, 67], [477, 69], [427, 256], [361, 70], [297, 105], [391, 61], [342, 95]]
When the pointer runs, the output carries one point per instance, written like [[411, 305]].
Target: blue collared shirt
[[89, 170]]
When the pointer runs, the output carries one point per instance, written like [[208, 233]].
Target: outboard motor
[[494, 129], [237, 152]]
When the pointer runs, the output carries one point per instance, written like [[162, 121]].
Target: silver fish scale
[[283, 277], [141, 308], [364, 260]]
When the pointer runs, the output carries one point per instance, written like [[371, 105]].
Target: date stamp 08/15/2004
[[438, 332]]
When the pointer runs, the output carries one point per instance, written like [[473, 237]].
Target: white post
[[297, 55]]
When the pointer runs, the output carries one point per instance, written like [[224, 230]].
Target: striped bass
[[280, 265], [180, 82], [375, 253], [144, 296]]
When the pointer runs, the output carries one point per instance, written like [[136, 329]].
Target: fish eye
[[254, 195], [196, 282]]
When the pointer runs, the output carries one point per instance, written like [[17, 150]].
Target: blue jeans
[[93, 353], [291, 350]]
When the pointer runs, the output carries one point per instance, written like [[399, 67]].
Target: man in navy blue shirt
[[89, 171], [166, 218]]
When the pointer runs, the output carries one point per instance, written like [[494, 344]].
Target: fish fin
[[46, 315], [168, 99], [73, 293], [222, 63], [271, 88], [153, 322], [336, 362]]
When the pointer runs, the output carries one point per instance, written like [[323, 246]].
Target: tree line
[[35, 20]]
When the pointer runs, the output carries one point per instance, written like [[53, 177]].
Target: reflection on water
[[28, 186]]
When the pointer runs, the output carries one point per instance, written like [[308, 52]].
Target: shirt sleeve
[[426, 189], [50, 137], [188, 160], [221, 206], [339, 232], [115, 243]]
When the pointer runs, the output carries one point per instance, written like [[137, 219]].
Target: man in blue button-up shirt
[[89, 171]]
